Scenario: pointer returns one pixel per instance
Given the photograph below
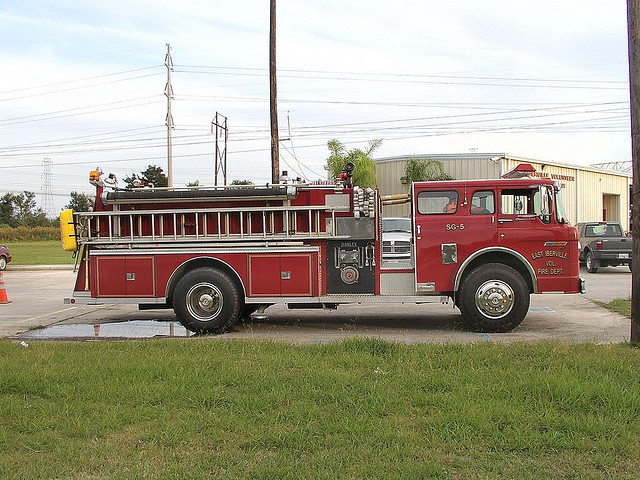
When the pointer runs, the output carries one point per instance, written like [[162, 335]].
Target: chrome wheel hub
[[494, 299], [204, 301]]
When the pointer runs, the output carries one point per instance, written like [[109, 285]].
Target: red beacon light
[[522, 170]]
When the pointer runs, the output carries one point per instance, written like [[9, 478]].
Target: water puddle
[[133, 329]]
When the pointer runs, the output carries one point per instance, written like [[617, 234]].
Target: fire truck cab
[[215, 255]]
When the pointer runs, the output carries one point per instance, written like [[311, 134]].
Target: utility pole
[[633, 11], [275, 142], [221, 154], [168, 91]]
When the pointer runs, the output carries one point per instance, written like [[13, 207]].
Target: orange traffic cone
[[3, 291]]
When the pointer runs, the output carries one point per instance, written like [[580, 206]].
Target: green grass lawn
[[44, 252], [620, 305], [203, 408]]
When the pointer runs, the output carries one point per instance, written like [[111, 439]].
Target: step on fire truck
[[216, 255]]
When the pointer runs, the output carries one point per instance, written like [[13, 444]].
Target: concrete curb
[[33, 268]]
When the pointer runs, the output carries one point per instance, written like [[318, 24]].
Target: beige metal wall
[[389, 174], [594, 186], [583, 188]]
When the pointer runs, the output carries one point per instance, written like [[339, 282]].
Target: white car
[[396, 238]]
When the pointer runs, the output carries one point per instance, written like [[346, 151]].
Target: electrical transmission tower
[[47, 188], [222, 134], [168, 91]]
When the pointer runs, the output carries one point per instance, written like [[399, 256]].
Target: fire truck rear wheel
[[206, 300], [494, 298]]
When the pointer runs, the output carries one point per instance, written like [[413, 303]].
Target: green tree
[[21, 209], [152, 175], [417, 170], [6, 210], [364, 173], [25, 205], [81, 202], [37, 219], [241, 182]]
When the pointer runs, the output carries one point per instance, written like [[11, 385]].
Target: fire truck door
[[521, 214], [478, 215], [436, 224]]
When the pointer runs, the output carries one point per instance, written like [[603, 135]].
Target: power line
[[444, 79], [45, 144], [371, 127], [77, 87], [55, 114], [288, 73]]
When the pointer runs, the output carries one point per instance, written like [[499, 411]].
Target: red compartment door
[[296, 275], [125, 276], [281, 275]]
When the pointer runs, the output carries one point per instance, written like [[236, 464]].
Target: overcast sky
[[83, 84]]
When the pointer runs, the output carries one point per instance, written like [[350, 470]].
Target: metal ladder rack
[[206, 224]]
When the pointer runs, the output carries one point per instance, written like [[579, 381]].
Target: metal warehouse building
[[590, 194]]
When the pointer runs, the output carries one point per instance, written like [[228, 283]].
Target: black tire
[[591, 263], [206, 300], [3, 263], [494, 298]]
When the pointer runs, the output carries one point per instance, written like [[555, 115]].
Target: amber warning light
[[94, 175]]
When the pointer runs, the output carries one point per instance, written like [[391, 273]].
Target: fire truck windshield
[[561, 214]]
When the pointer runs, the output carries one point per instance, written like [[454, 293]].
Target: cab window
[[439, 202], [526, 202], [482, 203]]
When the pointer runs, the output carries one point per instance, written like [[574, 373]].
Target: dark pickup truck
[[603, 244]]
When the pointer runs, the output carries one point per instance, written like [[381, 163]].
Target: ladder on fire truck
[[212, 224]]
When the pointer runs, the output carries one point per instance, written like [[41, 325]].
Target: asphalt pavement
[[36, 295]]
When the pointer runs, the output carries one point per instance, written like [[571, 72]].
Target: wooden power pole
[[633, 11], [275, 142]]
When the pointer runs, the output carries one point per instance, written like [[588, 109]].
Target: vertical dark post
[[275, 143], [633, 10], [217, 152]]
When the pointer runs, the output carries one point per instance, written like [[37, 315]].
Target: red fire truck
[[215, 255]]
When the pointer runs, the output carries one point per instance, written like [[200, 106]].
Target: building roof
[[476, 156]]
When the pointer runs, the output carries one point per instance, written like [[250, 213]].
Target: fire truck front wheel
[[494, 298], [206, 300]]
